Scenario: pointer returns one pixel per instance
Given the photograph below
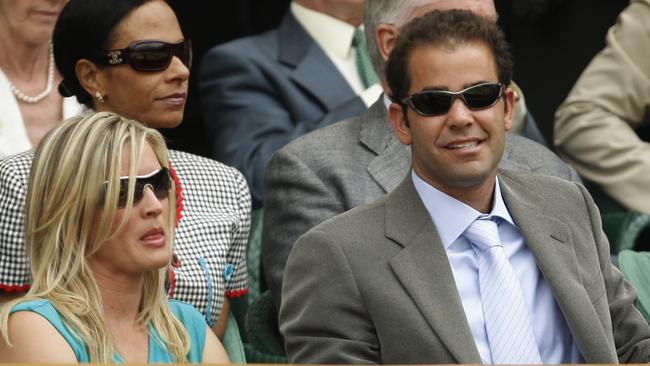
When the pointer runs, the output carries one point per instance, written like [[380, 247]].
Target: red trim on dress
[[14, 288], [179, 194], [236, 293], [172, 283]]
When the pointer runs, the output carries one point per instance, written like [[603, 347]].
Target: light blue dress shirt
[[451, 217]]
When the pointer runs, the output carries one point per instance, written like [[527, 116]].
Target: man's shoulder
[[263, 45], [536, 180], [527, 155], [549, 190], [339, 134], [319, 146], [364, 221]]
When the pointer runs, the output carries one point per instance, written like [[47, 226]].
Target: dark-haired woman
[[130, 57]]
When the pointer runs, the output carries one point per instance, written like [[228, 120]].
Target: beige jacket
[[594, 127]]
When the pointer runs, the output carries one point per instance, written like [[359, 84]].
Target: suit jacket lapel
[[423, 269], [551, 243], [312, 69], [393, 160]]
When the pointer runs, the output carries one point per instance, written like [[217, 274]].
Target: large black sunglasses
[[438, 102], [149, 55], [159, 182]]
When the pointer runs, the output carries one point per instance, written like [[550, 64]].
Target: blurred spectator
[[595, 126], [29, 103], [261, 92]]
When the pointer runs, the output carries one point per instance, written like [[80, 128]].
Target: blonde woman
[[100, 224], [148, 83]]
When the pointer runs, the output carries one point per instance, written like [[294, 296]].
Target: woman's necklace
[[48, 89]]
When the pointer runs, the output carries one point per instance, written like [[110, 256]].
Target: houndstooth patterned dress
[[210, 241]]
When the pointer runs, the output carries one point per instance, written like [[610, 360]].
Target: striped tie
[[364, 66], [507, 322]]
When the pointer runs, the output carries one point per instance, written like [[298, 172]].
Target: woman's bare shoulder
[[34, 339]]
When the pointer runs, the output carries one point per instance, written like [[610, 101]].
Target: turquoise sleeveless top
[[192, 320]]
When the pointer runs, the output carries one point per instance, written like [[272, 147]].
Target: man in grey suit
[[336, 168], [462, 262]]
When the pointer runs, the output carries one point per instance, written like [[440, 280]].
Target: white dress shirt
[[451, 217], [334, 37]]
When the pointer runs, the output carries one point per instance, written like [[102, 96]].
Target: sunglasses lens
[[431, 103], [183, 51], [482, 96], [160, 183], [150, 56], [435, 103]]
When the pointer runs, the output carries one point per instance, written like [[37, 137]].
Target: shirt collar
[[336, 40], [387, 101], [451, 216]]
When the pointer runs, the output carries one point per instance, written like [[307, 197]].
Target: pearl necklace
[[48, 89]]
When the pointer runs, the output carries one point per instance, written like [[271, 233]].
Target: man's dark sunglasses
[[438, 102], [159, 182], [149, 55]]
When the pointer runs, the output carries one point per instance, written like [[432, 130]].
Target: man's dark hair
[[450, 29]]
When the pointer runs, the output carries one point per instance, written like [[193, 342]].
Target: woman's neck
[[22, 60], [121, 295]]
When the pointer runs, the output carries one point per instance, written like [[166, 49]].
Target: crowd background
[[552, 42]]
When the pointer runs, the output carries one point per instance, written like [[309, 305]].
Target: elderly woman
[[29, 103], [100, 228], [130, 57]]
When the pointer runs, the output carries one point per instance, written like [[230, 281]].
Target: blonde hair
[[65, 226]]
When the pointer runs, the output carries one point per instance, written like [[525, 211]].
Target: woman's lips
[[177, 99], [154, 237], [46, 14]]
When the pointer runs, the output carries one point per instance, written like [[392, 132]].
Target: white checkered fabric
[[214, 226]]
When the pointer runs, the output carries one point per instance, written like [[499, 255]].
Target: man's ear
[[509, 98], [89, 76], [385, 35], [399, 122]]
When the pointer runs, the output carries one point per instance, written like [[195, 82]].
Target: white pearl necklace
[[48, 89]]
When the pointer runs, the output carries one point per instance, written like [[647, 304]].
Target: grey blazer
[[353, 162], [374, 284]]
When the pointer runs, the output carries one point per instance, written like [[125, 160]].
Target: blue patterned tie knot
[[484, 234]]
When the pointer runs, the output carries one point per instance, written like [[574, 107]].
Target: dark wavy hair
[[84, 30], [450, 29]]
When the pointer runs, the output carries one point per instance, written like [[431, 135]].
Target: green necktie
[[364, 66]]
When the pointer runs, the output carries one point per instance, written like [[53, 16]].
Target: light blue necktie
[[507, 322]]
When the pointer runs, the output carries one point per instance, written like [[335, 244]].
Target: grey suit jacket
[[259, 93], [374, 284], [353, 162]]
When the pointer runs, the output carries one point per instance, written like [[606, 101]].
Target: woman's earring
[[99, 97]]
